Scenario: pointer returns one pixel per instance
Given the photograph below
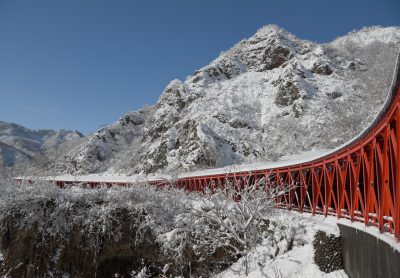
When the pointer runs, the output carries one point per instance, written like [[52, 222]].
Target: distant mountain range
[[268, 96], [21, 145]]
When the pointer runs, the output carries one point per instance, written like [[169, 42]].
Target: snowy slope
[[295, 263], [20, 144], [109, 143], [271, 95]]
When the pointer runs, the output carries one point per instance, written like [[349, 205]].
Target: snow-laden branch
[[227, 218]]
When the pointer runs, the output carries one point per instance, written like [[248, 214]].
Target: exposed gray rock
[[288, 92], [322, 69], [327, 252]]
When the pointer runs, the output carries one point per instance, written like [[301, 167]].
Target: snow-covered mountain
[[268, 96], [20, 144]]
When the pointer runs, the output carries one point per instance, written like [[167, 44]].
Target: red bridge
[[360, 181]]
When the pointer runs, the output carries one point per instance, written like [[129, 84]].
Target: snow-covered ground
[[299, 261], [296, 263]]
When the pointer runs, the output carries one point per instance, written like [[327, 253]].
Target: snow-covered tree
[[228, 219]]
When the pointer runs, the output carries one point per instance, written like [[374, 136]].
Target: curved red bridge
[[359, 181]]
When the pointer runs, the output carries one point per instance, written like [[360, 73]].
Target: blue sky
[[79, 64]]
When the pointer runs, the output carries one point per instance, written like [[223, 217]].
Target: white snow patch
[[296, 263]]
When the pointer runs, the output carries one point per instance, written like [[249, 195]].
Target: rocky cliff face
[[20, 144], [268, 96]]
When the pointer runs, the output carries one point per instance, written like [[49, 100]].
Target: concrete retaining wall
[[365, 256]]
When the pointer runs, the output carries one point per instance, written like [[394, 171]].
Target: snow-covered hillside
[[20, 144], [269, 96]]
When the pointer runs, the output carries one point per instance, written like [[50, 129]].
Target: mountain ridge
[[258, 101], [269, 96], [19, 144]]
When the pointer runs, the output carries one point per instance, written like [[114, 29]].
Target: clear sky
[[79, 64]]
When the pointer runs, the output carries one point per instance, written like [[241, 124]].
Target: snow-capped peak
[[269, 96]]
